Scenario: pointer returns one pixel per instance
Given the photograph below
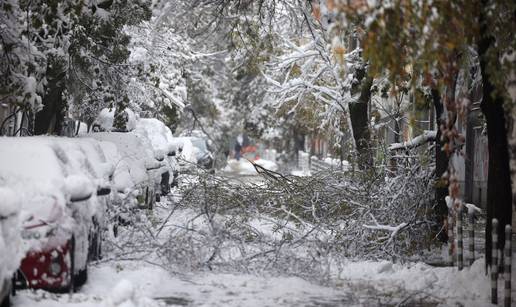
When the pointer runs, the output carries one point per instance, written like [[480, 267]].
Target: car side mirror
[[79, 188], [103, 191], [159, 155]]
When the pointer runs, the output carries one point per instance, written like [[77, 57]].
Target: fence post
[[494, 263], [460, 242], [450, 237], [471, 218], [507, 266]]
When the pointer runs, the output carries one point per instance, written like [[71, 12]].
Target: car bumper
[[5, 290]]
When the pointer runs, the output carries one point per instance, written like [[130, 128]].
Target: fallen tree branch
[[426, 137]]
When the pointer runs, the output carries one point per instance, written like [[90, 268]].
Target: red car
[[61, 183]]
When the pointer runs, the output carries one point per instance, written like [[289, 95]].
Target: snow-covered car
[[193, 151], [60, 190], [135, 166], [10, 242], [160, 138]]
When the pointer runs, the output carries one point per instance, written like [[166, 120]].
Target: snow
[[134, 283], [244, 167], [10, 239]]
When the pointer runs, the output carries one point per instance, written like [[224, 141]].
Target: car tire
[[13, 284], [71, 253], [81, 278], [99, 246], [6, 302]]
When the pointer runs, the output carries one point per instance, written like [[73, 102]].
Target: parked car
[[160, 138], [135, 166], [10, 243], [61, 190]]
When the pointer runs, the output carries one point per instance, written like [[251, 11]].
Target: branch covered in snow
[[427, 136]]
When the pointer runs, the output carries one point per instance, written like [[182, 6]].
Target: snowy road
[[135, 283]]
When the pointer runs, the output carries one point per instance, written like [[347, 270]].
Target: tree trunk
[[441, 166], [50, 119], [360, 123], [499, 198], [469, 159]]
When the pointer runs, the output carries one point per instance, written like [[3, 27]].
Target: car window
[[200, 144]]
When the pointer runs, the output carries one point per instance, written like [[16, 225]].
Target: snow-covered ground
[[137, 283]]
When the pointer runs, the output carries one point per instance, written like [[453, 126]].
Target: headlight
[[55, 266]]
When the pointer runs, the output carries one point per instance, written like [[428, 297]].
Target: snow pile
[[471, 284], [107, 116], [124, 294], [244, 167]]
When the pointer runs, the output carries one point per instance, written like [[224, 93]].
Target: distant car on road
[[194, 151]]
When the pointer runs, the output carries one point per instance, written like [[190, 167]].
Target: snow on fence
[[317, 165], [303, 161]]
